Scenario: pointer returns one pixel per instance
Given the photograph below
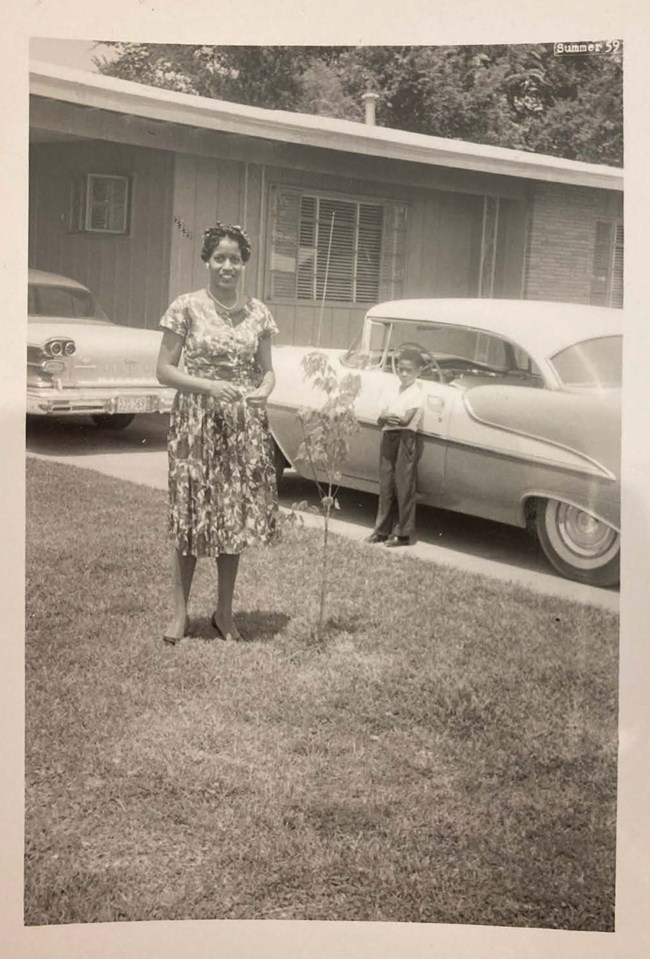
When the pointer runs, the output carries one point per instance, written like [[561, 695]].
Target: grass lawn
[[449, 755]]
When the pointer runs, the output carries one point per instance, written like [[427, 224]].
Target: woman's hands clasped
[[224, 391], [227, 392]]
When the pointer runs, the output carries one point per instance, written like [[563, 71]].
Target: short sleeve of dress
[[268, 326], [176, 318]]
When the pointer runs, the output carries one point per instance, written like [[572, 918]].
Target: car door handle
[[435, 404]]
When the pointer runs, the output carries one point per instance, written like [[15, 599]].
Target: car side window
[[525, 363], [63, 301], [491, 351], [57, 301]]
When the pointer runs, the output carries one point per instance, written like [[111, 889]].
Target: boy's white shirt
[[396, 402]]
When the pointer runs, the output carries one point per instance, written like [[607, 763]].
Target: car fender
[[292, 392], [597, 503], [583, 426]]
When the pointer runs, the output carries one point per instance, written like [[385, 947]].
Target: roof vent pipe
[[370, 100]]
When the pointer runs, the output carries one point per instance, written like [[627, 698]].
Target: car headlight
[[59, 346]]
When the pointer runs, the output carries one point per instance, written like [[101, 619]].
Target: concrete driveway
[[139, 454]]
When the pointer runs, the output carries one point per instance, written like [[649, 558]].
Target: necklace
[[228, 309]]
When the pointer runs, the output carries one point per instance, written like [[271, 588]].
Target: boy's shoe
[[375, 538], [399, 541]]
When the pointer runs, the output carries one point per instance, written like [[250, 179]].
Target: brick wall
[[561, 238]]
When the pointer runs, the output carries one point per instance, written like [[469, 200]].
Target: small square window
[[107, 204]]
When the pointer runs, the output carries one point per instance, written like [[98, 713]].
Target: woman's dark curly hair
[[214, 234]]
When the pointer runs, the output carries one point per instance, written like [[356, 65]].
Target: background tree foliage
[[520, 96]]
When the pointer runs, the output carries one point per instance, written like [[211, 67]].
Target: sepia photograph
[[323, 413], [381, 287]]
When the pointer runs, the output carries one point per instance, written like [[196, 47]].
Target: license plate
[[133, 404]]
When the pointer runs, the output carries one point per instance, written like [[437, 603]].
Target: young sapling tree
[[327, 431]]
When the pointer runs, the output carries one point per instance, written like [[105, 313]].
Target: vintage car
[[522, 420], [79, 362]]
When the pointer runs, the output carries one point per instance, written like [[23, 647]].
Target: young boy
[[401, 447]]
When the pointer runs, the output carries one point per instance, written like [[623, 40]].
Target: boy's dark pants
[[399, 453]]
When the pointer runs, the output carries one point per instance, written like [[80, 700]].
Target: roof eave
[[128, 98]]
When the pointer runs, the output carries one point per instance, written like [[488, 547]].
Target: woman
[[222, 487]]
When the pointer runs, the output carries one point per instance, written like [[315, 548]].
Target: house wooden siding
[[128, 273], [207, 189]]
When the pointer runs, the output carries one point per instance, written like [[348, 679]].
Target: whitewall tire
[[579, 546]]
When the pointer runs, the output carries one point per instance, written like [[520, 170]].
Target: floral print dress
[[222, 490]]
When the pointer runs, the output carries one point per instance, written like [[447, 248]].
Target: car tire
[[113, 421], [578, 545], [279, 461]]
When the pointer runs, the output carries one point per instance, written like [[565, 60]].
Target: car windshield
[[591, 364], [69, 302], [455, 352], [369, 347]]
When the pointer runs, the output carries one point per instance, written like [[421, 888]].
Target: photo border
[[478, 21]]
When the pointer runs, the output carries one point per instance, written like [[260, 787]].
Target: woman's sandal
[[174, 640], [239, 638]]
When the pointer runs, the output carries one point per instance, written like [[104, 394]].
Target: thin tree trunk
[[323, 581]]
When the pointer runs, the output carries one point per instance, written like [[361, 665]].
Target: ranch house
[[124, 178]]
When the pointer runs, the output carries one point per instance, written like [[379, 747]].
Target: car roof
[[53, 279], [540, 327]]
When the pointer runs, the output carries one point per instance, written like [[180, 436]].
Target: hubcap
[[578, 537]]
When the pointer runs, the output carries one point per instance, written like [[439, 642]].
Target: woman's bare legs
[[227, 567], [182, 574]]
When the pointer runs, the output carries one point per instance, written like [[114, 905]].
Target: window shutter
[[307, 250], [76, 198], [368, 272], [601, 264], [284, 243], [393, 253], [616, 284]]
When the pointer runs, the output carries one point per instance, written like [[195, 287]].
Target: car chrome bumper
[[70, 401]]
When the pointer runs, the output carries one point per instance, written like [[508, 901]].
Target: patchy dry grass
[[448, 756]]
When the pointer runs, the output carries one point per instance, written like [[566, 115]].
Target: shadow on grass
[[345, 623], [258, 625]]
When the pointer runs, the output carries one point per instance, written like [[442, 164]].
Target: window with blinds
[[340, 250], [607, 271]]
